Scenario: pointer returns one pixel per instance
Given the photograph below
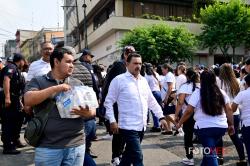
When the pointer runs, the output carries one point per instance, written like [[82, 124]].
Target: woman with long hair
[[184, 94], [212, 115], [167, 94], [181, 77], [153, 81], [229, 83], [243, 100]]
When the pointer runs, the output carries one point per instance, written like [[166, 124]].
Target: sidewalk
[[158, 150]]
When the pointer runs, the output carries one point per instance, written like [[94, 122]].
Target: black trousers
[[12, 119], [188, 128], [118, 142]]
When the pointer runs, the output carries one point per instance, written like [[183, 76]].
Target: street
[[158, 150]]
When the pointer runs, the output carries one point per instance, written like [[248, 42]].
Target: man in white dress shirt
[[41, 66], [133, 96]]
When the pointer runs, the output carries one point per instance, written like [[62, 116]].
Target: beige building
[[21, 36], [108, 20], [31, 47]]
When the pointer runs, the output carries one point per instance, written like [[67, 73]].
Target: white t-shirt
[[243, 99], [187, 89], [180, 80], [153, 82], [169, 78], [226, 89], [203, 120]]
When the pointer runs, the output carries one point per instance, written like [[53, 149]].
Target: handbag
[[36, 126]]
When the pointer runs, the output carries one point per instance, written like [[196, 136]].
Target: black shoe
[[92, 155], [196, 140], [220, 160], [167, 133], [241, 163], [19, 144], [11, 151], [155, 129]]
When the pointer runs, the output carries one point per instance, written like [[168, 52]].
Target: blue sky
[[28, 14]]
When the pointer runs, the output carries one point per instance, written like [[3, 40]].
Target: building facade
[[21, 36], [106, 21], [31, 47], [9, 48]]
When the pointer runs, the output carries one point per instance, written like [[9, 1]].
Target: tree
[[225, 25], [160, 42]]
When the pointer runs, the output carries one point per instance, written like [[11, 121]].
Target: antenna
[[57, 15], [32, 20]]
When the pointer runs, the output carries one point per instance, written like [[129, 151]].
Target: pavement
[[158, 150]]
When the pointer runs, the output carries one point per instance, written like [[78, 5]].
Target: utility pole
[[78, 28], [85, 25]]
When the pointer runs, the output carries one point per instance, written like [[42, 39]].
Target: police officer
[[12, 116]]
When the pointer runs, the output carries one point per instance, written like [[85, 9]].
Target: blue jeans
[[88, 160], [157, 95], [90, 129], [246, 136], [133, 153], [235, 139], [209, 138], [60, 157]]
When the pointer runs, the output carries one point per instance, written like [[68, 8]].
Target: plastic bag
[[78, 96]]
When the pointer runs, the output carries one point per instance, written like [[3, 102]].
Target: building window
[[164, 8], [104, 15]]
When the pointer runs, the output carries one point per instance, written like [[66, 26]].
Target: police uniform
[[12, 116]]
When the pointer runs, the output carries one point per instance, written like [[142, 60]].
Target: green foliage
[[225, 25], [159, 43], [150, 16]]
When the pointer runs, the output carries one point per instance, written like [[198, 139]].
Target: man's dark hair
[[167, 66], [247, 79], [133, 55], [212, 100], [18, 57], [58, 54], [247, 62], [46, 42]]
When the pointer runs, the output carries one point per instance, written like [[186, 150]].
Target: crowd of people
[[195, 102]]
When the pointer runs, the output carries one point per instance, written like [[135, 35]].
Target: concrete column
[[210, 60], [119, 7]]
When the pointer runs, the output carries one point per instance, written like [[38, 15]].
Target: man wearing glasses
[[41, 66]]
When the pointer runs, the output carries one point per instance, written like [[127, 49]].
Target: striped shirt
[[38, 68]]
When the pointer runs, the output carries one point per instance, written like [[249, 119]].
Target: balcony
[[115, 23]]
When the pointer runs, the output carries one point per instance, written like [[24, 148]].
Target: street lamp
[[85, 25]]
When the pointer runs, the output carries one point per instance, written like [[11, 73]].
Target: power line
[[4, 35], [6, 31]]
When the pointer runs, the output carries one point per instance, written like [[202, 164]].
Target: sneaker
[[180, 132], [11, 151], [188, 161], [107, 137], [115, 161]]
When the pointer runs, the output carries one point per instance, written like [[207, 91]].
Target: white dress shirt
[[134, 98], [38, 68]]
